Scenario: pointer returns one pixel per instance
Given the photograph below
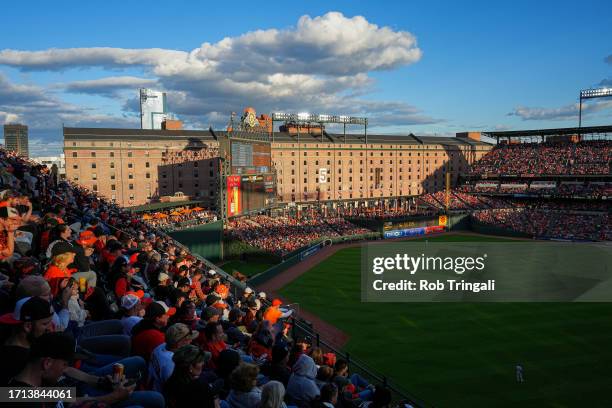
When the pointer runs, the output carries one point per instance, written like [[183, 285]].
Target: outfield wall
[[204, 240]]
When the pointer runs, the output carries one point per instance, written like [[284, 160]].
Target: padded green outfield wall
[[204, 240]]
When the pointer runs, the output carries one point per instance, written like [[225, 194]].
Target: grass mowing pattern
[[463, 354]]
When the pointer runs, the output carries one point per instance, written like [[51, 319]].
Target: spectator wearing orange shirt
[[273, 313], [63, 255]]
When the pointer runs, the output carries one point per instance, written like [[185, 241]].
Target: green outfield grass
[[463, 354]]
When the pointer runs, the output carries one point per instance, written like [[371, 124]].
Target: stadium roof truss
[[305, 118], [590, 94], [542, 133]]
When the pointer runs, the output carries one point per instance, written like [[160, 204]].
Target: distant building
[[16, 139], [153, 109], [137, 166], [49, 161]]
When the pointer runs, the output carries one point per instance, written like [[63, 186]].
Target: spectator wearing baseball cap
[[186, 387], [246, 295], [149, 333], [163, 289], [50, 356], [32, 317], [252, 308], [161, 364], [84, 249], [235, 336], [36, 285], [133, 311], [83, 263]]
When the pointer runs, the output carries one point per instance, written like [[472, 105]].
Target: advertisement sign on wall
[[233, 195]]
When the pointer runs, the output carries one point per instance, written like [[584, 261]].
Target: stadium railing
[[302, 328]]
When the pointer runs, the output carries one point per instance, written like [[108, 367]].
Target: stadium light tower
[[589, 94]]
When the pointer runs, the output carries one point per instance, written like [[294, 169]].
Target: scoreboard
[[250, 157], [248, 193], [250, 181]]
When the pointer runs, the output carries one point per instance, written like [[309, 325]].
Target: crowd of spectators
[[92, 297], [549, 158], [458, 200], [540, 223], [179, 218], [594, 189], [283, 234]]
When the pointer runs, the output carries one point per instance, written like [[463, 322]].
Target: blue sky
[[421, 67]]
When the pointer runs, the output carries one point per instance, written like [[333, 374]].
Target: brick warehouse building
[[135, 166]]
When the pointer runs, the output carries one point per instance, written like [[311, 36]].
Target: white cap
[[129, 301], [248, 290], [163, 276], [262, 295], [212, 272]]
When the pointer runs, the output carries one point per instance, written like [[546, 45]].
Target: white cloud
[[68, 58], [37, 108], [561, 113], [322, 64], [109, 86], [8, 117]]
